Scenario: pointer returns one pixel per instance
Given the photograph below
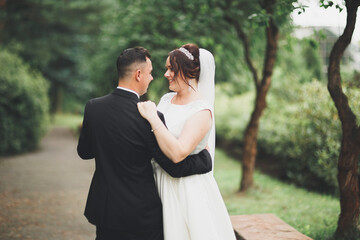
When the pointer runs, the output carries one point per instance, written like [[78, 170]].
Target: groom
[[123, 201]]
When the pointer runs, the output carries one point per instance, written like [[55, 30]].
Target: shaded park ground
[[43, 194]]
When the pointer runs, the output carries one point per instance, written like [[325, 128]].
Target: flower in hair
[[187, 53]]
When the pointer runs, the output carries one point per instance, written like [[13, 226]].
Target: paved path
[[43, 194]]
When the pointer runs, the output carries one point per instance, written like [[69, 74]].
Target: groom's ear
[[137, 74]]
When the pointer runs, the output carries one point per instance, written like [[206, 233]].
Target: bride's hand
[[147, 110]]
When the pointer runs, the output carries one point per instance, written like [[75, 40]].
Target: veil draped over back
[[206, 87]]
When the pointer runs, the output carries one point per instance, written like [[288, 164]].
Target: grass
[[71, 121], [312, 214]]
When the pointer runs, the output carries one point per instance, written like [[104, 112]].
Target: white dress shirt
[[129, 90]]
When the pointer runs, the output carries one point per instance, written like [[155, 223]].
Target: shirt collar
[[129, 90]]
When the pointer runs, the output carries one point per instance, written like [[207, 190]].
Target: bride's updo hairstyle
[[185, 62]]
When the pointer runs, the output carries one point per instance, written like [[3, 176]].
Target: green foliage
[[326, 4], [23, 105], [299, 61], [135, 23], [312, 58], [300, 129], [57, 38], [162, 26], [232, 113], [306, 137]]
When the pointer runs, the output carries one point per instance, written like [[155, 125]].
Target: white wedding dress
[[193, 208]]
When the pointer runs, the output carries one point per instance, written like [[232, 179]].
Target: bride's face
[[174, 84]]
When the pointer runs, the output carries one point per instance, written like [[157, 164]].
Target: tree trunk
[[56, 98], [2, 24], [250, 143], [252, 129], [350, 145], [349, 191]]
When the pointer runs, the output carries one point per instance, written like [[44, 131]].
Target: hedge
[[23, 105]]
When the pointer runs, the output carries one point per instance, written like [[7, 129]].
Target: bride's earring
[[189, 85]]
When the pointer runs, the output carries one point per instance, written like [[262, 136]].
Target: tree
[[24, 105], [150, 24], [55, 37], [271, 16], [350, 143]]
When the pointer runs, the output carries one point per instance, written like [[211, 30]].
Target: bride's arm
[[177, 149]]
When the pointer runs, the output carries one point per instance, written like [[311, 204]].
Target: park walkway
[[43, 194]]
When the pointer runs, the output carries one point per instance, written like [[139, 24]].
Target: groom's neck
[[128, 85]]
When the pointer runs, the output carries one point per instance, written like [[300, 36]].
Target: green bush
[[306, 137], [232, 113], [300, 128], [23, 105]]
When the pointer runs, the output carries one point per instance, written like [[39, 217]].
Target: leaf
[[338, 7]]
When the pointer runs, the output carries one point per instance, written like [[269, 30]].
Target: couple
[[123, 200]]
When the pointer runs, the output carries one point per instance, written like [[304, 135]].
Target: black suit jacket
[[123, 194]]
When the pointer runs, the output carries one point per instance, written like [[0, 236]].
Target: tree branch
[[2, 8], [272, 35], [334, 78], [243, 37]]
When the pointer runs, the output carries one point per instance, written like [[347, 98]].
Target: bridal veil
[[206, 87]]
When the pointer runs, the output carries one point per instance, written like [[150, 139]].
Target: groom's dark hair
[[128, 57]]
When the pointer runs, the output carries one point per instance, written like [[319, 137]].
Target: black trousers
[[114, 234]]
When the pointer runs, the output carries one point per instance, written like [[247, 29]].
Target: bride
[[193, 208]]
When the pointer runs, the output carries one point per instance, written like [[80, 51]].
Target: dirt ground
[[43, 193]]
